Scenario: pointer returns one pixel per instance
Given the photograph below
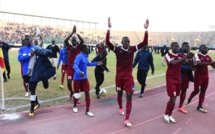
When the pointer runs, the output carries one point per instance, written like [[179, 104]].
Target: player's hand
[[81, 74], [152, 72], [100, 63], [32, 53], [109, 23], [190, 55], [74, 29], [146, 25], [192, 68]]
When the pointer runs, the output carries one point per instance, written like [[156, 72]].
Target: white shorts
[[53, 61]]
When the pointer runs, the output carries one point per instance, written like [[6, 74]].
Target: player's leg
[[98, 79], [185, 85], [128, 108], [7, 65], [69, 82], [33, 98], [204, 87], [172, 93], [197, 83], [77, 86], [26, 79], [63, 73], [129, 88]]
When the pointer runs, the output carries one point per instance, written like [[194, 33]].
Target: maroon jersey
[[173, 73], [100, 49], [202, 71], [124, 57], [73, 51]]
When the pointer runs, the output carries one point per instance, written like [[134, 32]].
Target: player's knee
[[203, 91], [120, 93], [173, 99], [183, 91], [129, 96], [69, 83], [196, 92], [87, 94]]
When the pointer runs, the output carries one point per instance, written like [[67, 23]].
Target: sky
[[127, 15]]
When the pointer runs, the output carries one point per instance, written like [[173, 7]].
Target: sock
[[128, 109], [169, 108], [119, 100], [25, 86], [87, 99], [182, 98], [201, 98], [33, 99]]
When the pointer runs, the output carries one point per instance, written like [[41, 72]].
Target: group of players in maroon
[[177, 81]]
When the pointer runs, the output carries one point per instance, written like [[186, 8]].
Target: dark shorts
[[26, 78], [125, 83], [81, 85]]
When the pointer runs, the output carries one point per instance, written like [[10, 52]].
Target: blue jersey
[[80, 65], [63, 56], [24, 57]]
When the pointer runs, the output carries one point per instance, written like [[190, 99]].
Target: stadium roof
[[7, 12]]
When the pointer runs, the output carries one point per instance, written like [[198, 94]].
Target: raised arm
[[67, 39], [145, 39], [81, 40], [107, 40], [41, 41]]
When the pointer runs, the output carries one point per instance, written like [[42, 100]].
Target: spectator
[[144, 59]]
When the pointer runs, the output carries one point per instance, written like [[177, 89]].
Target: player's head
[[186, 47], [104, 53], [53, 42], [125, 42], [203, 49], [28, 40], [85, 49], [174, 47], [74, 41], [35, 42]]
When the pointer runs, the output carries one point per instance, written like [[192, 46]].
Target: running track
[[146, 117]]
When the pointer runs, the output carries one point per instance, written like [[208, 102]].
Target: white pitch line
[[63, 97]]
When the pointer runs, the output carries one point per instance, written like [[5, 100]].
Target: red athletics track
[[146, 117]]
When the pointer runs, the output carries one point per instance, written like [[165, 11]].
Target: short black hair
[[83, 47], [174, 43], [184, 43], [203, 45]]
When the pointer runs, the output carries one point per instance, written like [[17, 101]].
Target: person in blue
[[5, 48], [144, 59], [81, 79], [24, 55], [63, 58], [42, 70]]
